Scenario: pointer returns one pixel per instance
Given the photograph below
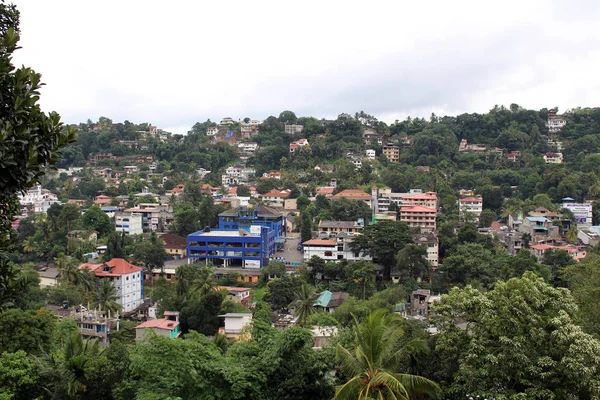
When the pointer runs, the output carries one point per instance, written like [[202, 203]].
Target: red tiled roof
[[319, 242], [417, 209], [159, 323], [118, 267], [207, 186], [353, 194], [278, 193], [420, 196], [471, 200], [542, 247], [325, 190]]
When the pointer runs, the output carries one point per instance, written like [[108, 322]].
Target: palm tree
[[373, 360], [304, 304], [86, 279], [106, 296], [71, 273], [205, 281], [67, 373], [68, 268], [77, 353], [183, 277], [572, 234]]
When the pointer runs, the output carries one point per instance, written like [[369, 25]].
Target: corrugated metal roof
[[324, 299]]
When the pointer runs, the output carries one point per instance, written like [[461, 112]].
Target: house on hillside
[[128, 280], [553, 158], [354, 194], [276, 197], [329, 301], [167, 326], [472, 205], [298, 143], [234, 324], [174, 245], [392, 153], [539, 228]]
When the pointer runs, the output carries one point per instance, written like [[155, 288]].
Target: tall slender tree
[[372, 360], [106, 296], [304, 304]]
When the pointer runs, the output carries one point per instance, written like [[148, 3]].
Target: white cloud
[[176, 63]]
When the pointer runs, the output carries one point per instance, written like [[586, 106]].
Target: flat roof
[[236, 315], [223, 233]]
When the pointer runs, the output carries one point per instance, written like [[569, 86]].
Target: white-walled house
[[40, 199], [129, 222], [234, 324], [127, 278], [333, 250]]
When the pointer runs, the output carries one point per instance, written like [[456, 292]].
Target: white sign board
[[252, 264], [581, 211], [255, 230]]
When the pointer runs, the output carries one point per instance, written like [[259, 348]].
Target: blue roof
[[324, 299], [568, 199], [538, 219]]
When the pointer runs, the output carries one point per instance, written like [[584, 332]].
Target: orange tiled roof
[[159, 323], [319, 242], [353, 194]]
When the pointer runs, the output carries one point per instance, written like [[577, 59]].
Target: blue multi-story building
[[232, 248], [245, 217]]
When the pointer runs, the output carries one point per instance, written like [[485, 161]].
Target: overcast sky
[[178, 62]]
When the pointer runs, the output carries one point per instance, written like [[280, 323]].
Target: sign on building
[[581, 211], [252, 264]]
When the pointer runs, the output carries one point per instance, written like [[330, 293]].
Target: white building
[[212, 131], [356, 161], [293, 129], [555, 123], [248, 147], [333, 250], [276, 197], [40, 199], [235, 324], [128, 280], [129, 222], [202, 172], [553, 158], [131, 169], [227, 121], [370, 154], [431, 241], [235, 176], [298, 143], [470, 205]]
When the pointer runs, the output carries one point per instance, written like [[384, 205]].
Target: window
[[328, 254]]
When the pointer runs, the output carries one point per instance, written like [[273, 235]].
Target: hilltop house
[[128, 280]]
